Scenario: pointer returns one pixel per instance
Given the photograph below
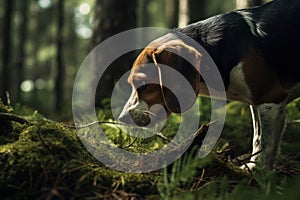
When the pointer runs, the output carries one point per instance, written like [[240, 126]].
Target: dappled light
[[149, 99], [27, 86], [44, 3], [84, 9]]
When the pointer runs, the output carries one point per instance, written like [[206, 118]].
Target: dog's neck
[[225, 37], [268, 29]]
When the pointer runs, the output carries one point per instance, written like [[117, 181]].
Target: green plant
[[182, 172]]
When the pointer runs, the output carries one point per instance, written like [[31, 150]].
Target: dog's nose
[[135, 117]]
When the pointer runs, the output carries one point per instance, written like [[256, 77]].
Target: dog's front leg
[[256, 141]]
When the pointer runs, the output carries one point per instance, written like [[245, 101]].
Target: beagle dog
[[257, 53]]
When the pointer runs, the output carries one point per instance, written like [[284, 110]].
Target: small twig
[[197, 184], [159, 134], [243, 161], [195, 135], [13, 117], [135, 139], [204, 127], [97, 122]]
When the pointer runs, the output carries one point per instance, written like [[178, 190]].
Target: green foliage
[[5, 126], [222, 179], [291, 137], [270, 186], [45, 159], [238, 127], [293, 110], [4, 108], [183, 170], [261, 185]]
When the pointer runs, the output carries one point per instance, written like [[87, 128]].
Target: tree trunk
[[197, 10], [112, 17], [247, 3], [183, 13], [59, 83], [6, 51], [24, 5], [172, 12], [143, 12], [36, 30]]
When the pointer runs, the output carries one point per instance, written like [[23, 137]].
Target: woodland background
[[43, 42], [42, 45]]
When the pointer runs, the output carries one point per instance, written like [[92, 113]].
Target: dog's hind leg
[[273, 124], [268, 124]]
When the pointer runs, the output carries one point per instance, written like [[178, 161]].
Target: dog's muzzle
[[138, 113], [135, 112], [135, 117]]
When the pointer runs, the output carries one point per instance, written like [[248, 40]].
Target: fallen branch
[[96, 122], [13, 117], [197, 137]]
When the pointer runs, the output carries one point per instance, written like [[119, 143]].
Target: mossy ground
[[43, 159], [46, 160]]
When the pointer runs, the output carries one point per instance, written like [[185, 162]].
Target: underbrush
[[43, 159]]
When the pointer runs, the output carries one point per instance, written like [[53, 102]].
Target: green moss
[[4, 108], [45, 159], [6, 126]]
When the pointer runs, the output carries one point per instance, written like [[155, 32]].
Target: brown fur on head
[[147, 79]]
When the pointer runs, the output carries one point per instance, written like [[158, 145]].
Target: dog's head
[[150, 100]]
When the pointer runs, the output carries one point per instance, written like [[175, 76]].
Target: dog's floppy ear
[[186, 60]]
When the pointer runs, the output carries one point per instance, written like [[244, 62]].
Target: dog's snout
[[135, 113], [125, 117], [135, 117]]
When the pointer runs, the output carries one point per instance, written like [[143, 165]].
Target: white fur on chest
[[238, 88]]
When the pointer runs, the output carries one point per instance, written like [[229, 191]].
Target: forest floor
[[43, 159]]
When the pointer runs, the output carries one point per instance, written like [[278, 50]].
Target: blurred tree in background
[[112, 17], [23, 12], [43, 42], [6, 50], [60, 67]]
